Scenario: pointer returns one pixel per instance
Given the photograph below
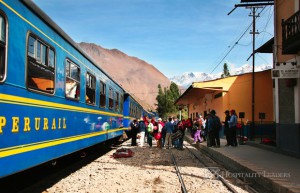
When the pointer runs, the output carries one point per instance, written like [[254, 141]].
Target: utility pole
[[253, 63], [254, 5]]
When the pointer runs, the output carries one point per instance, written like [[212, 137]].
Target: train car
[[148, 114], [132, 110], [54, 99]]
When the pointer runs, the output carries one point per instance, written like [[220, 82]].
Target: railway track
[[183, 188], [215, 169], [149, 170]]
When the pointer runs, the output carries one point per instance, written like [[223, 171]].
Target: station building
[[235, 92], [279, 99], [285, 47], [286, 73]]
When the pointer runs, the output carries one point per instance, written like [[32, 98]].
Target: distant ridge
[[136, 76], [187, 78]]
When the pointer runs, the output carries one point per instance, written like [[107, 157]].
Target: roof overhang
[[266, 47], [194, 93]]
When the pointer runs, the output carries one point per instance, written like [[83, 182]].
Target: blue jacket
[[142, 126], [233, 121], [169, 127], [210, 124]]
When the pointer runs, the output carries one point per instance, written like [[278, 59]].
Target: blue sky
[[175, 36]]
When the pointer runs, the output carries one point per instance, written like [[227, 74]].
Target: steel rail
[[247, 187], [183, 188], [218, 176]]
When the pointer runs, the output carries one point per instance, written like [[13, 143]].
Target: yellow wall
[[237, 94]]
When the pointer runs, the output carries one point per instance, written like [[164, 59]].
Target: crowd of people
[[170, 133], [167, 134]]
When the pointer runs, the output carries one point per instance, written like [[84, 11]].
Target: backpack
[[216, 123], [149, 128]]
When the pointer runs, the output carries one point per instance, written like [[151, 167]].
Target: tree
[[225, 71], [165, 100], [160, 101], [174, 95]]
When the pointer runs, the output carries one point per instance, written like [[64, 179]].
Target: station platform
[[262, 168]]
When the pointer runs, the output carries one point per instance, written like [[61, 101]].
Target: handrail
[[291, 26]]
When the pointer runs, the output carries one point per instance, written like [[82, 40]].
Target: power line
[[231, 48], [236, 43]]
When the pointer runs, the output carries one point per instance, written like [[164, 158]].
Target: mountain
[[141, 79], [186, 79], [136, 76]]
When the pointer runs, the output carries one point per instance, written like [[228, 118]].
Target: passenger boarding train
[[54, 99]]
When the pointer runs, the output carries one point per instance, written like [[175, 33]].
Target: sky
[[175, 36]]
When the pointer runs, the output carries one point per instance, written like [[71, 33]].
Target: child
[[197, 135]]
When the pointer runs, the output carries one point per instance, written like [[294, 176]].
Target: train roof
[[40, 13]]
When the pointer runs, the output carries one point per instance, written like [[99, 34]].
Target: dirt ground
[[149, 170]]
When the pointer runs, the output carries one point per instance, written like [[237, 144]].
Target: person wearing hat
[[158, 134], [226, 128], [134, 131]]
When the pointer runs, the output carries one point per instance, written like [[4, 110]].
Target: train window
[[121, 103], [40, 74], [72, 80], [31, 46], [111, 99], [117, 101], [90, 91], [41, 53], [2, 47], [102, 94], [132, 111], [51, 58]]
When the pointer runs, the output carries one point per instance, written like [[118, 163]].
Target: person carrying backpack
[[150, 133], [214, 127]]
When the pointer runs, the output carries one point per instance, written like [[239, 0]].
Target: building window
[[40, 65], [102, 94], [111, 99], [90, 93], [2, 47], [72, 80]]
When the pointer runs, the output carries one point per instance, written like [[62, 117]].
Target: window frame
[[117, 103], [33, 62], [90, 84], [69, 76], [111, 98], [4, 45], [102, 93], [121, 103]]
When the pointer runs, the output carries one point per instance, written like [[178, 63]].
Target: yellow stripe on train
[[44, 144], [11, 99]]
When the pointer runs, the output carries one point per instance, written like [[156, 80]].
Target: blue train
[[54, 99], [133, 110]]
